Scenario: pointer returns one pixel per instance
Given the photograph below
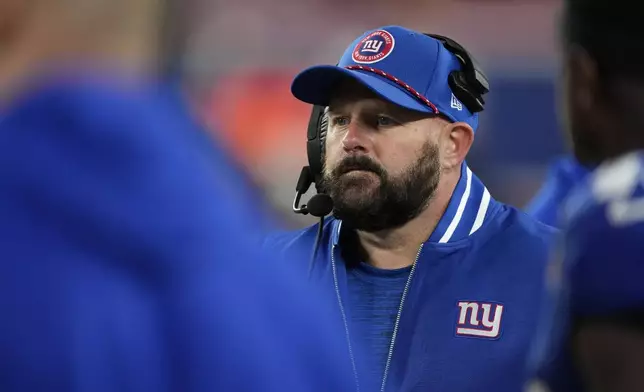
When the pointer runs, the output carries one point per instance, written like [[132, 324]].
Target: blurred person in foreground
[[591, 336], [562, 177], [127, 254], [431, 273]]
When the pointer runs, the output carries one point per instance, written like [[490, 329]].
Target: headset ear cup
[[469, 84], [315, 141], [458, 83]]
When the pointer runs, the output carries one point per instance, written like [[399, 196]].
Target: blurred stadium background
[[244, 53]]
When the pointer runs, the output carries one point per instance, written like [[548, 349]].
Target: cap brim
[[316, 85]]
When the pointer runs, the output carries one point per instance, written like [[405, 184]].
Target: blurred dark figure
[[127, 257], [563, 175], [592, 332]]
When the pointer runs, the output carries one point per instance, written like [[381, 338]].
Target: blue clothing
[[374, 297], [127, 256], [468, 315], [599, 269], [563, 176]]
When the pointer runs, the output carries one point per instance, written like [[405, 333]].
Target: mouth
[[360, 176], [358, 171]]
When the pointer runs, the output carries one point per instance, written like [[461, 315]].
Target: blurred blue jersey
[[599, 269], [562, 177], [127, 257]]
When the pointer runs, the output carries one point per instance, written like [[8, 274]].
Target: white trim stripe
[[480, 216], [459, 211]]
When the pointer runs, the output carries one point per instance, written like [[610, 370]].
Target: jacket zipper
[[396, 324], [344, 319], [398, 316]]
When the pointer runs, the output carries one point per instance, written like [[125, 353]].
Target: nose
[[355, 139]]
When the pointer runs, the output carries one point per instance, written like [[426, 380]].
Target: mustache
[[358, 162]]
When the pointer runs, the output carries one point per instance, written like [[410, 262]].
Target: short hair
[[612, 32]]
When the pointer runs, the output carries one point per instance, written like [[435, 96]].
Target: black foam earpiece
[[316, 142], [469, 84]]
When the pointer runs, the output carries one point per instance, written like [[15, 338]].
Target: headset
[[468, 84]]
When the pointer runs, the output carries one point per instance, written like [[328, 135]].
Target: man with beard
[[436, 278]]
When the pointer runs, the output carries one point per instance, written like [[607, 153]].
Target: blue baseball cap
[[405, 67]]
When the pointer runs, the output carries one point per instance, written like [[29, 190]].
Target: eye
[[340, 121], [385, 121]]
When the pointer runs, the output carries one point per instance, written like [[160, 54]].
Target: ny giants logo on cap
[[374, 47]]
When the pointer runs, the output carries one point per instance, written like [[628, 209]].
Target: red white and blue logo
[[376, 46]]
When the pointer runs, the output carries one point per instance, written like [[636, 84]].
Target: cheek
[[572, 116], [445, 148], [332, 150], [564, 103], [396, 159]]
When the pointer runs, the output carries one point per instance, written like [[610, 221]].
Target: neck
[[398, 248]]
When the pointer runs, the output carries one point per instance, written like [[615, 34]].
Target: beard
[[367, 198]]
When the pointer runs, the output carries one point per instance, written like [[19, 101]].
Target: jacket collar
[[468, 210]]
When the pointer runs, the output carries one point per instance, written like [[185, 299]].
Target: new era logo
[[479, 319], [456, 104]]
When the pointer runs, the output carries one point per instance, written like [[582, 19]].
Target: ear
[[581, 80], [459, 138]]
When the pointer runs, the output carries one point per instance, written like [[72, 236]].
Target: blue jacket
[[484, 261], [127, 260], [564, 174]]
